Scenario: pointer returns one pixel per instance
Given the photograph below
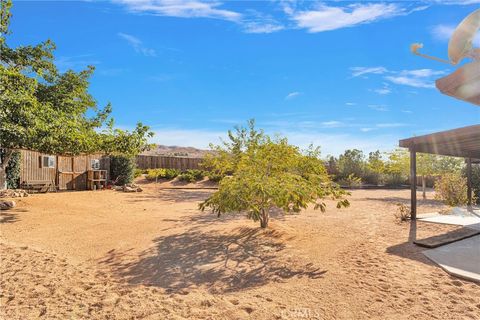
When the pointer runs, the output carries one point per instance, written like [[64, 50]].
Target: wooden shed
[[64, 171]]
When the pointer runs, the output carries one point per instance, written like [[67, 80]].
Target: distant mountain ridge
[[176, 151]]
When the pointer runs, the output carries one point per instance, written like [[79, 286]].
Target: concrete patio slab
[[461, 258], [469, 222], [469, 218]]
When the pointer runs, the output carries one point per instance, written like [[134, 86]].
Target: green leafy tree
[[426, 166], [449, 165], [332, 166], [351, 162], [397, 166], [268, 173], [375, 168], [45, 110]]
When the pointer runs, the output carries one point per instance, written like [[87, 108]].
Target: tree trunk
[[3, 178], [264, 218], [424, 187], [3, 168]]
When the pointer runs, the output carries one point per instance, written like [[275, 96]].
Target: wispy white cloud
[[421, 78], [250, 22], [456, 2], [378, 107], [422, 73], [181, 8], [292, 95], [418, 78], [261, 27], [78, 62], [391, 125], [257, 22], [332, 124], [350, 104], [360, 71], [316, 18], [383, 90], [412, 82], [137, 44], [326, 18]]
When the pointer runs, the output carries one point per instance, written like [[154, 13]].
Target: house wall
[[31, 168]]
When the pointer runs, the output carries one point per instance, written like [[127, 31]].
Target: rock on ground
[[7, 204]]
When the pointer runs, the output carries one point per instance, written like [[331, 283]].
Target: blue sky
[[337, 74]]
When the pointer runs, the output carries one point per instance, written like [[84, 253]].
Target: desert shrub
[[198, 174], [350, 181], [122, 169], [371, 177], [186, 177], [215, 177], [191, 175], [403, 213], [171, 173], [138, 172], [161, 173], [451, 188], [475, 181], [153, 174], [395, 179]]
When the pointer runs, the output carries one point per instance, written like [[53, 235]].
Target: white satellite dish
[[460, 44]]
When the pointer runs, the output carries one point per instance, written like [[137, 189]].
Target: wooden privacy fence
[[181, 163]]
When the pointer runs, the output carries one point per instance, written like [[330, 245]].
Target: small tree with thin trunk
[[268, 173]]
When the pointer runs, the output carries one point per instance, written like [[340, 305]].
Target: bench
[[40, 186]]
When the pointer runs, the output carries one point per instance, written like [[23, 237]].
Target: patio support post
[[413, 182], [469, 181]]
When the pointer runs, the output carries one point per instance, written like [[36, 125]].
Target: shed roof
[[462, 142]]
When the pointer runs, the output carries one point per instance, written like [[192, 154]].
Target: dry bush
[[403, 213], [451, 188]]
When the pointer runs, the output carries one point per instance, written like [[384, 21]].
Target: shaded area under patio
[[460, 258]]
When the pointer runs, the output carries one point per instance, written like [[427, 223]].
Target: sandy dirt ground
[[153, 255]]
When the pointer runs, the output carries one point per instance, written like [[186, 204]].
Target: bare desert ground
[[153, 255]]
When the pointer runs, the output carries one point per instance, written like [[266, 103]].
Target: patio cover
[[462, 142]]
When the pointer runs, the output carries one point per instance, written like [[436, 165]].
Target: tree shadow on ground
[[406, 201], [173, 195], [408, 249], [244, 258], [208, 217], [10, 216]]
